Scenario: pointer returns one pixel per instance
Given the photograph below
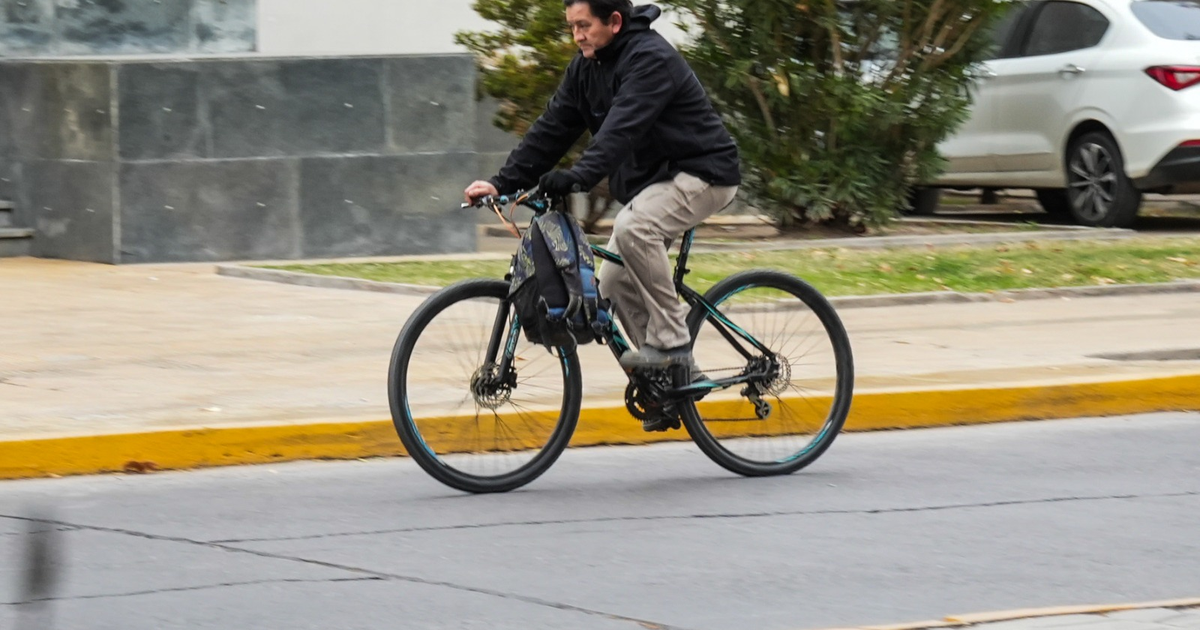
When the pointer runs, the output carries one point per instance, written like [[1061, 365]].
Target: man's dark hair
[[604, 9]]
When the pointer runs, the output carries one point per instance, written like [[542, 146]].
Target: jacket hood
[[639, 20], [641, 17]]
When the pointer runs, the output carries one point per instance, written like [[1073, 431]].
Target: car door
[[970, 149], [1035, 91]]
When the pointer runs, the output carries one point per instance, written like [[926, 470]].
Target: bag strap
[[568, 265]]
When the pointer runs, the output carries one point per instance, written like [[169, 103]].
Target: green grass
[[868, 272]]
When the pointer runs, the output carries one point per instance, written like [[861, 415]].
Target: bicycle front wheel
[[474, 423], [782, 422]]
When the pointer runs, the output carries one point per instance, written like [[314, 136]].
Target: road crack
[[370, 574], [180, 589], [714, 516]]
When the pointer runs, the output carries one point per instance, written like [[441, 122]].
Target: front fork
[[506, 336]]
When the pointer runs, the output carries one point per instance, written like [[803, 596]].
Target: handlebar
[[520, 197]]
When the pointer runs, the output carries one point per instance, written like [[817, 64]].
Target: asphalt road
[[887, 527]]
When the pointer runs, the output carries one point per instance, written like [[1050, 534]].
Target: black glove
[[560, 182]]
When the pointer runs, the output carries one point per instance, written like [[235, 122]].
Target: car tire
[[1054, 201], [1099, 192], [922, 201]]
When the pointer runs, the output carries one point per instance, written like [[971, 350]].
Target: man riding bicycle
[[657, 138]]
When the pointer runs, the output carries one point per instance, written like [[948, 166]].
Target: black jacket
[[649, 116]]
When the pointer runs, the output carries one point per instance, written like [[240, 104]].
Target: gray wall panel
[[234, 159], [433, 104], [71, 205], [386, 205], [20, 111], [160, 111], [76, 118], [295, 107], [193, 211]]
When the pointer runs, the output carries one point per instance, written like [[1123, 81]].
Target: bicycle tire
[[718, 436], [446, 466]]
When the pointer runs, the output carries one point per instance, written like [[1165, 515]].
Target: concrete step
[[15, 242], [6, 213]]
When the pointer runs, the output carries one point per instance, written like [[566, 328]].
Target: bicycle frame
[[730, 331], [617, 343], [612, 336]]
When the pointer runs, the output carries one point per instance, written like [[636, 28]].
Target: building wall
[[41, 28], [175, 159]]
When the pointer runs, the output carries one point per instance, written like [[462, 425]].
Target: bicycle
[[796, 383]]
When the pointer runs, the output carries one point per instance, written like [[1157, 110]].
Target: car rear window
[[1170, 19]]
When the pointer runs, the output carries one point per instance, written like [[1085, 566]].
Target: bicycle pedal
[[661, 425]]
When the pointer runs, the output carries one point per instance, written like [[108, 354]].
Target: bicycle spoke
[[480, 430]]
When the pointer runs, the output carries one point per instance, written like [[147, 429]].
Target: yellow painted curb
[[165, 450], [957, 621]]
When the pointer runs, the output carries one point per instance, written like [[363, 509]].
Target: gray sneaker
[[653, 358]]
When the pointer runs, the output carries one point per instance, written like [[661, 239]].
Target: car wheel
[[922, 201], [1100, 193], [1054, 201]]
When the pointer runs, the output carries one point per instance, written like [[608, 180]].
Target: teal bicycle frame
[[759, 371]]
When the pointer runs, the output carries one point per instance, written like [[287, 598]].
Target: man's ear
[[616, 22]]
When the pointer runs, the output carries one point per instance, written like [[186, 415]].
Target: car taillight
[[1175, 77]]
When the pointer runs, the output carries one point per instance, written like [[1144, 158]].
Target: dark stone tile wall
[[227, 159], [209, 210], [160, 112], [114, 27], [10, 175], [384, 205], [71, 204], [295, 107], [55, 111], [75, 117], [21, 106], [432, 103]]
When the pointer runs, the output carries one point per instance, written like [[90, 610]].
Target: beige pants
[[643, 291]]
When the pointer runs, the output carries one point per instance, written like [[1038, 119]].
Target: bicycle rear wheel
[[802, 406], [466, 421]]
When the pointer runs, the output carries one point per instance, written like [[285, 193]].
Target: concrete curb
[[205, 447], [956, 621], [324, 282], [862, 301]]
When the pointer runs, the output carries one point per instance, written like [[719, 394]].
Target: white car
[[1091, 103]]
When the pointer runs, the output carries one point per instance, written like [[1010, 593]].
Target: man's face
[[590, 33]]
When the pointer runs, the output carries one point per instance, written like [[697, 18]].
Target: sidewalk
[[164, 366]]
